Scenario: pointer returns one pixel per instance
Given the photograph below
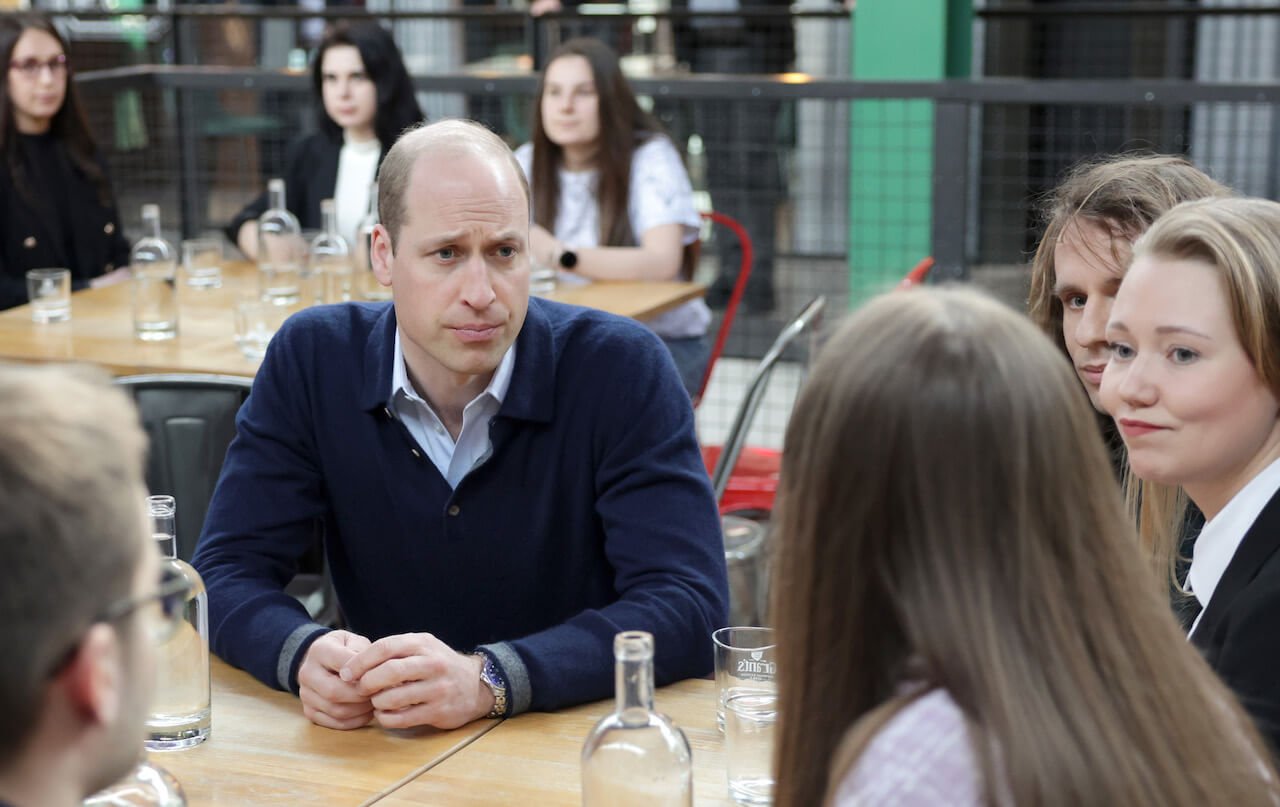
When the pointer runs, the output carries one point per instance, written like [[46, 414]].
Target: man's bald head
[[442, 139]]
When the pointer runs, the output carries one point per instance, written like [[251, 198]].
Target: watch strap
[[492, 677]]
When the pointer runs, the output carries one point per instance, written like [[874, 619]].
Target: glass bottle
[[331, 258], [154, 264], [147, 785], [280, 249], [636, 756], [370, 288], [180, 709]]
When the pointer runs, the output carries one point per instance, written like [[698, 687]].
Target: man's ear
[[93, 681], [381, 254]]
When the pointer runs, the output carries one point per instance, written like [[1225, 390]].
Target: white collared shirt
[[1221, 536], [454, 460]]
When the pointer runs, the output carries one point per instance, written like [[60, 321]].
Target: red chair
[[746, 481], [917, 275], [735, 297]]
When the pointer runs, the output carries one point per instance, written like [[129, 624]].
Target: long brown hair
[[69, 125], [624, 125], [920, 538], [1122, 194]]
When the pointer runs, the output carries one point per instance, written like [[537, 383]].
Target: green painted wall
[[891, 142]]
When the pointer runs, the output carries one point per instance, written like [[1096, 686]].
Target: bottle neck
[[151, 226], [275, 198], [329, 221], [634, 685], [168, 544]]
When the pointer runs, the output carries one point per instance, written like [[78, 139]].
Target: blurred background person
[[79, 586], [963, 616], [1194, 386], [742, 140], [58, 209], [611, 196], [365, 100]]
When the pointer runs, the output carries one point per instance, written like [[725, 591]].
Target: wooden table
[[263, 751], [101, 327], [533, 759]]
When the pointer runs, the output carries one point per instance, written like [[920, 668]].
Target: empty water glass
[[256, 322], [750, 721], [202, 262], [50, 293]]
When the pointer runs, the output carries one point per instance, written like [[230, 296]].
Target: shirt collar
[[1222, 535], [497, 388]]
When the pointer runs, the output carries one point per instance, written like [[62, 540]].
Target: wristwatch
[[568, 259], [491, 676]]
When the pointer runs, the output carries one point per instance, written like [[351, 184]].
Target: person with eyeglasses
[[81, 599], [57, 208]]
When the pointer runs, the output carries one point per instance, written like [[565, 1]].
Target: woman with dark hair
[[56, 205], [611, 196], [366, 101], [963, 615]]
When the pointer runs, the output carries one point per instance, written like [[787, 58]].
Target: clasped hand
[[411, 679]]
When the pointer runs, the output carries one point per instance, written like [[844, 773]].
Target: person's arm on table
[[260, 522], [657, 258], [662, 536]]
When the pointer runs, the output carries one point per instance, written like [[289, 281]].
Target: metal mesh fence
[[844, 185]]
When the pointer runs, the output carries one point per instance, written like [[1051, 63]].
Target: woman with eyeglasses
[[365, 101], [57, 209]]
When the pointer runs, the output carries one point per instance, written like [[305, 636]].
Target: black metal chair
[[191, 420]]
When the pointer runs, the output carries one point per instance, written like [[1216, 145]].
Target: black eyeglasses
[[31, 68], [171, 596]]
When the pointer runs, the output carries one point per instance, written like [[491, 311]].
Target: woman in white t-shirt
[[611, 196]]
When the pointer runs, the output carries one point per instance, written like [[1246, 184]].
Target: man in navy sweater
[[502, 484]]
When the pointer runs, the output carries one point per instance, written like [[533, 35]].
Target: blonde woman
[[1194, 386], [963, 615]]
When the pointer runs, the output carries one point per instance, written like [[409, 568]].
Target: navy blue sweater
[[592, 515]]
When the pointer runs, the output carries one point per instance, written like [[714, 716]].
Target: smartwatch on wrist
[[568, 259], [491, 676]]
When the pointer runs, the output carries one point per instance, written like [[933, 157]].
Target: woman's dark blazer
[[310, 175], [28, 242], [1239, 631]]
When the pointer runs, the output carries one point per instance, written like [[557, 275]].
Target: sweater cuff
[[293, 652], [519, 691]]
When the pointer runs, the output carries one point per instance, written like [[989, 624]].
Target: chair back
[[735, 297], [190, 420]]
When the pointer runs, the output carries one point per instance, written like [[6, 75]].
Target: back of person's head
[[451, 137], [623, 125], [69, 125], [1121, 194], [71, 539], [947, 517], [397, 108]]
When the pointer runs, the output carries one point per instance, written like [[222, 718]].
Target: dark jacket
[[768, 42], [30, 235], [593, 513], [310, 175], [1239, 631]]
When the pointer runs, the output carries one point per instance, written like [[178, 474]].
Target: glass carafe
[[636, 756], [154, 264], [331, 258], [370, 288], [280, 249], [180, 714]]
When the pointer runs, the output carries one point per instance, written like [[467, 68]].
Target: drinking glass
[[202, 262], [745, 664], [50, 293], [750, 721], [256, 322], [542, 280], [147, 785]]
